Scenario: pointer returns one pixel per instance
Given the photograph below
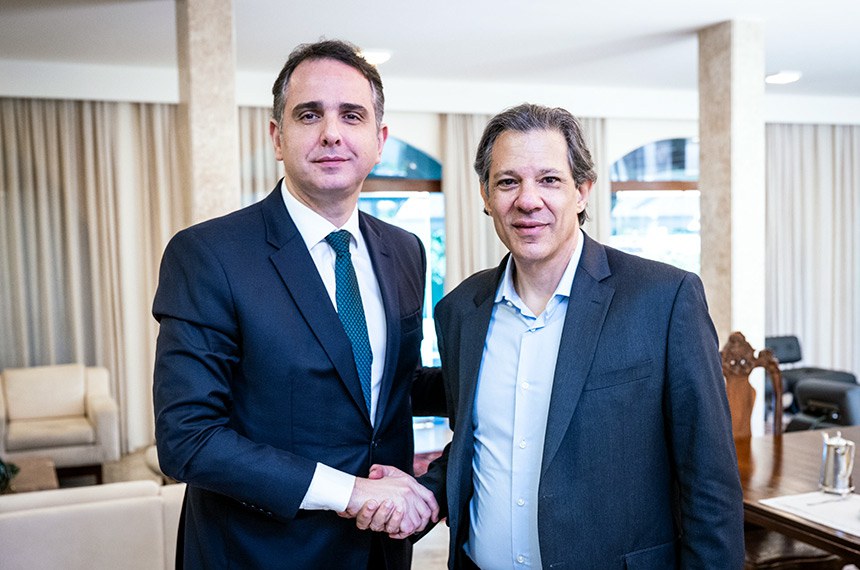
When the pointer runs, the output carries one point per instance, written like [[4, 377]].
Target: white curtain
[[813, 241], [90, 195], [598, 225]]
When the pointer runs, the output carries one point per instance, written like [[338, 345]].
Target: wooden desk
[[788, 465], [35, 474]]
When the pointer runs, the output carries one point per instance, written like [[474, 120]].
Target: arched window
[[404, 189], [655, 202]]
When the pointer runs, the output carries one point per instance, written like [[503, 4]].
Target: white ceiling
[[608, 43]]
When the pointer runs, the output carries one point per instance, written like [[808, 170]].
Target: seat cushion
[[44, 391], [45, 433]]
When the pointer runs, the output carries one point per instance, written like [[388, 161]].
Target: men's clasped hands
[[391, 501]]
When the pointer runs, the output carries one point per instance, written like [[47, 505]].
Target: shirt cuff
[[330, 490]]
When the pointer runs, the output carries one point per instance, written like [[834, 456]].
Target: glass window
[[658, 224], [402, 160], [423, 214], [655, 203]]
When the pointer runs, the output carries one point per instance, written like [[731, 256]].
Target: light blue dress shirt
[[509, 421]]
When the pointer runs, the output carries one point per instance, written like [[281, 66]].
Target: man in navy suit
[[261, 404], [584, 386]]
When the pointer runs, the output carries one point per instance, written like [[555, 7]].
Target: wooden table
[[35, 474], [790, 464]]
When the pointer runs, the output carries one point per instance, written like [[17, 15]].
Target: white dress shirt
[[330, 488], [509, 420]]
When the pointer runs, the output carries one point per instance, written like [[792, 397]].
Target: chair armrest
[[103, 413], [2, 418], [838, 402]]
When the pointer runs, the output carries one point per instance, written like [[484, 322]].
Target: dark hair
[[528, 117], [337, 50]]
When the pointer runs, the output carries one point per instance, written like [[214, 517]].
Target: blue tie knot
[[339, 241]]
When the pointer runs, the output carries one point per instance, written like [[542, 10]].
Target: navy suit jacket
[[255, 383], [639, 466]]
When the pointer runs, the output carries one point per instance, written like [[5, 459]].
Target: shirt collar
[[312, 226], [507, 292]]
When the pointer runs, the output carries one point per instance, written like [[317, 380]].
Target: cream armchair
[[64, 412]]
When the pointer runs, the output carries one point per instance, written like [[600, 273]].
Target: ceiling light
[[783, 77], [376, 56]]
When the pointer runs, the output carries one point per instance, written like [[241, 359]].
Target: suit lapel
[[474, 325], [383, 267], [298, 272], [586, 311], [473, 335]]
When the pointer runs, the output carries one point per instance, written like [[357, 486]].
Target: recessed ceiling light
[[783, 77], [376, 56]]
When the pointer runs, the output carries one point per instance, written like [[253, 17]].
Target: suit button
[[374, 444]]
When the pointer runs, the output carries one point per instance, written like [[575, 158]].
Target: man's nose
[[529, 197], [330, 132]]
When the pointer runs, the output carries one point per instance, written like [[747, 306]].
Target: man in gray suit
[[584, 387]]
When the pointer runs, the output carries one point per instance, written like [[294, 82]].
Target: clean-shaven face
[[328, 139], [533, 199]]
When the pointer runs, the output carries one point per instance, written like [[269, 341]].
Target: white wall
[[421, 130], [120, 83], [625, 135]]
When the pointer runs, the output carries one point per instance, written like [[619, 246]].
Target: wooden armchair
[[764, 549], [739, 360]]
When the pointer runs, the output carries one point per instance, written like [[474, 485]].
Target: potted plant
[[7, 473]]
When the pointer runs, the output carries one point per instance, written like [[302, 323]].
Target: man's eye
[[506, 183], [308, 116], [550, 180], [352, 117]]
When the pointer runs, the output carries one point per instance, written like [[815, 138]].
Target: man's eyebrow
[[353, 107], [502, 173], [307, 106], [317, 107], [515, 174]]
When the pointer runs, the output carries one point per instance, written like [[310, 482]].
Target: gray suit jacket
[[639, 466]]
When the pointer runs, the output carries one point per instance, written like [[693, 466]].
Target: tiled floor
[[430, 553]]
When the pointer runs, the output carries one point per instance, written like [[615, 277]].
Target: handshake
[[391, 501]]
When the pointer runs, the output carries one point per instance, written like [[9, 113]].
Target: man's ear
[[382, 136], [275, 134], [485, 197], [584, 191]]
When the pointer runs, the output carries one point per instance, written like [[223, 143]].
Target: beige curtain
[[259, 170], [813, 241], [90, 195], [470, 240]]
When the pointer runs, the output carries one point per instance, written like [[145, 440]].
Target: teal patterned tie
[[350, 309]]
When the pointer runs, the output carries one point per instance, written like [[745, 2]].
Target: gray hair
[[529, 117], [337, 50]]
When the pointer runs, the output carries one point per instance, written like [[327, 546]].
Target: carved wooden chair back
[[739, 360]]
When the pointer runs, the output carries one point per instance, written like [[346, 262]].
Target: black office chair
[[786, 349], [825, 404]]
